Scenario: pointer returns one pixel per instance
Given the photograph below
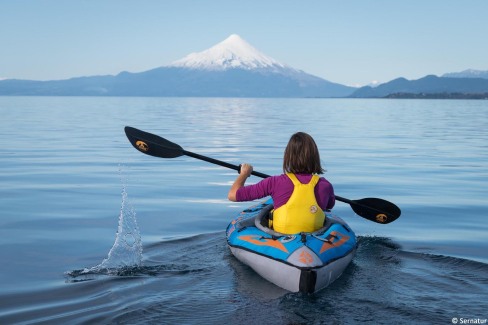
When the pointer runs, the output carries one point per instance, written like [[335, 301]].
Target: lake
[[73, 191]]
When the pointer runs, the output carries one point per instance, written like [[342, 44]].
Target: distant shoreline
[[437, 96]]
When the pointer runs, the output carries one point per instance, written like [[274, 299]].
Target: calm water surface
[[65, 161]]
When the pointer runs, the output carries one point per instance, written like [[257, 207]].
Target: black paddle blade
[[376, 210], [153, 145]]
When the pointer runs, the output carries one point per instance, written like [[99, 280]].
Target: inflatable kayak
[[303, 262]]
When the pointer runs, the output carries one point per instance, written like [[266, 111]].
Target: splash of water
[[127, 249], [126, 253]]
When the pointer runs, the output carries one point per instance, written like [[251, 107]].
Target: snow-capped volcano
[[232, 53], [232, 68]]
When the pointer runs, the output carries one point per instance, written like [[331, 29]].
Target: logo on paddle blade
[[141, 145], [381, 218]]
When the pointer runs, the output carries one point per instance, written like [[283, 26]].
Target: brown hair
[[302, 155]]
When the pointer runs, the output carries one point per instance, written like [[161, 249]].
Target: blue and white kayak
[[303, 262]]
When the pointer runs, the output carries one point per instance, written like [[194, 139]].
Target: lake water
[[68, 174]]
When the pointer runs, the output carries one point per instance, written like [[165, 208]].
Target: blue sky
[[349, 42]]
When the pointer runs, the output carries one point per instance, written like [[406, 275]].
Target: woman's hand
[[246, 170]]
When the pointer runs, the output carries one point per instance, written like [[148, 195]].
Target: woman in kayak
[[299, 195]]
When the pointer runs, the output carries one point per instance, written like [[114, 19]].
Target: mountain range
[[441, 87], [234, 68]]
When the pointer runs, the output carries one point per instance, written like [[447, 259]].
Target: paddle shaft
[[238, 168], [220, 163], [373, 209]]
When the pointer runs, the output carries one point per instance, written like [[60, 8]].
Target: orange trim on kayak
[[305, 257], [339, 239], [261, 241]]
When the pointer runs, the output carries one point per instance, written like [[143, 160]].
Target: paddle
[[373, 209]]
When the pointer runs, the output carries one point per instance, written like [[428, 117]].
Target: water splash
[[126, 252], [127, 249]]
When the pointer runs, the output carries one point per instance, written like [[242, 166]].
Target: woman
[[299, 195]]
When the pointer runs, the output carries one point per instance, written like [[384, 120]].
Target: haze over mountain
[[232, 68], [470, 73]]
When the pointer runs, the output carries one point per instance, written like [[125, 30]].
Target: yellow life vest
[[301, 213]]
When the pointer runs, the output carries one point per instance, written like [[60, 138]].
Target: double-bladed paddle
[[373, 209]]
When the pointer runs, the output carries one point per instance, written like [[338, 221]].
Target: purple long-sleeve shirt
[[281, 187]]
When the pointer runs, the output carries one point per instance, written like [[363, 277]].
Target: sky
[[352, 42]]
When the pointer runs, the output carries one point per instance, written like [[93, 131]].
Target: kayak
[[302, 262]]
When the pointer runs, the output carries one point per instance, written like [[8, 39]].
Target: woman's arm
[[246, 171], [324, 192]]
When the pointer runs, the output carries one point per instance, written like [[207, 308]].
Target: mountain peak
[[234, 38], [232, 53]]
